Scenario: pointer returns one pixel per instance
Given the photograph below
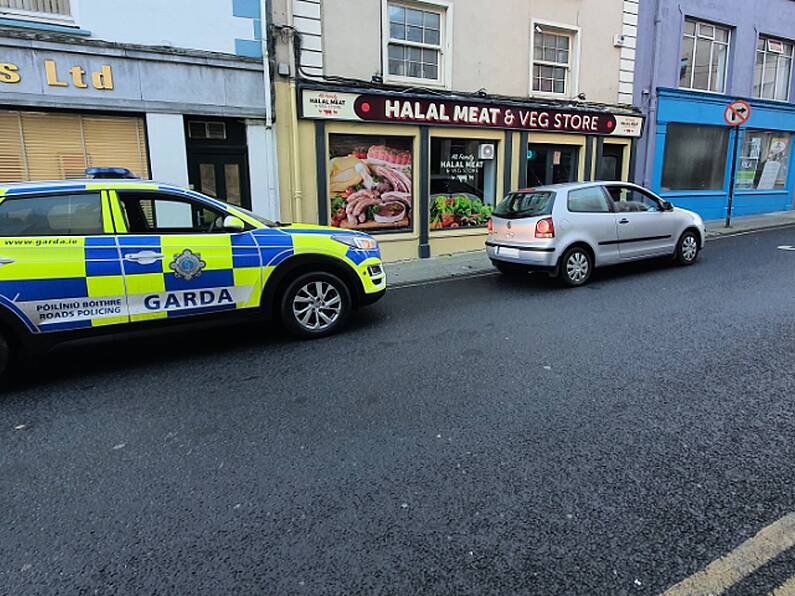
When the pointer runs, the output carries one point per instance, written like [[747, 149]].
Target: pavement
[[418, 271], [488, 435]]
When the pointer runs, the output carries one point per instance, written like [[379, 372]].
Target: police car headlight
[[360, 242]]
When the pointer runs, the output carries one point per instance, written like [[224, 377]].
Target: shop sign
[[391, 109], [75, 76]]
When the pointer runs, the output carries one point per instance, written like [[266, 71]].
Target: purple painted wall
[[660, 24]]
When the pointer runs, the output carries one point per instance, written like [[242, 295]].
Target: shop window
[[552, 60], [695, 157], [773, 70], [705, 56], [415, 41], [50, 10], [201, 129], [764, 160], [59, 145], [463, 182], [370, 182]]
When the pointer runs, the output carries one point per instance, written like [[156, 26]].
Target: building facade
[[694, 58], [410, 119], [170, 92]]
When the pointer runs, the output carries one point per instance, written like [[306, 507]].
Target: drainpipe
[[266, 66], [655, 75], [270, 137], [295, 170]]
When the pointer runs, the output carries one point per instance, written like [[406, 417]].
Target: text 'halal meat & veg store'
[[424, 173]]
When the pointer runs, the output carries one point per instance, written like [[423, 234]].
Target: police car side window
[[162, 214], [53, 215]]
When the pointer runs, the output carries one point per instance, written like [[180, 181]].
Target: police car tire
[[290, 320]]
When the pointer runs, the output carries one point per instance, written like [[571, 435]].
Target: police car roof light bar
[[107, 173]]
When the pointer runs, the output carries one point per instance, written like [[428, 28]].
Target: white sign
[[329, 104]]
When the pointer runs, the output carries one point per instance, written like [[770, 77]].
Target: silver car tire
[[575, 267], [687, 248]]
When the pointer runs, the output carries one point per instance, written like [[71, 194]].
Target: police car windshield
[[259, 218]]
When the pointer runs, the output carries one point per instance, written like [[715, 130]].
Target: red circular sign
[[737, 113]]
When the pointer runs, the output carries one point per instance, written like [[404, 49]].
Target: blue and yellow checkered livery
[[68, 282]]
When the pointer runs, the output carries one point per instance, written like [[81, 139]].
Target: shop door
[[217, 159], [220, 176], [551, 164], [612, 164]]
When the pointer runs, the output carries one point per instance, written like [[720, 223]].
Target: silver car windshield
[[525, 204]]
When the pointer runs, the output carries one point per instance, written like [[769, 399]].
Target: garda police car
[[111, 253]]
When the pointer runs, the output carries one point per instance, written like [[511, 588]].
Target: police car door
[[178, 259], [59, 265]]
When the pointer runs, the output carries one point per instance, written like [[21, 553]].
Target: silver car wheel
[[317, 305], [577, 267], [689, 248]]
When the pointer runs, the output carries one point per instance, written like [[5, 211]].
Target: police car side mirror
[[234, 224]]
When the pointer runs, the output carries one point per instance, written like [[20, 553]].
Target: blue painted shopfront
[[771, 122]]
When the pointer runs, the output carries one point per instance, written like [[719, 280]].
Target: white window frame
[[768, 39], [445, 68], [573, 80], [42, 17], [698, 22]]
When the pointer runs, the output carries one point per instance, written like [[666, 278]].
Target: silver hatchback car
[[568, 230]]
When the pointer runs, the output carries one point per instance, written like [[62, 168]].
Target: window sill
[[695, 90], [54, 26], [543, 95], [761, 191], [779, 101], [395, 80], [458, 232]]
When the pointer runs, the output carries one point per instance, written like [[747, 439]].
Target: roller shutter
[[56, 146]]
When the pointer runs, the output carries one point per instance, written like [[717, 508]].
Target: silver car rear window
[[525, 204]]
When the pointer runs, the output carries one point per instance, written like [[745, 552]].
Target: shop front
[[424, 173], [188, 118], [694, 149]]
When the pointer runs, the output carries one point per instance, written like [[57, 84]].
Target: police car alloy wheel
[[315, 304]]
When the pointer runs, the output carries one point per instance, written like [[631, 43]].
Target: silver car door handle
[[7, 260], [145, 257], [623, 221]]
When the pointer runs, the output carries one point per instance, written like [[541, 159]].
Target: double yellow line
[[722, 574]]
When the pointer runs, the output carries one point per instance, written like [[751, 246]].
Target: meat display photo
[[370, 183]]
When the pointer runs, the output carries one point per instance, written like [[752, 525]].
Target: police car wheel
[[315, 305]]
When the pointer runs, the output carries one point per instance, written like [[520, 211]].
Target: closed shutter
[[12, 155], [57, 146]]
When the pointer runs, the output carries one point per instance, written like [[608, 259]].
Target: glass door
[[220, 176], [612, 165], [551, 164]]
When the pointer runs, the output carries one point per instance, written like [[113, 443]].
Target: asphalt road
[[486, 435]]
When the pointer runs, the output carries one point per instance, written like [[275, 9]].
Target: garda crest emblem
[[187, 265]]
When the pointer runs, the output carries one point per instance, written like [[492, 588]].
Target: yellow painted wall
[[298, 182]]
